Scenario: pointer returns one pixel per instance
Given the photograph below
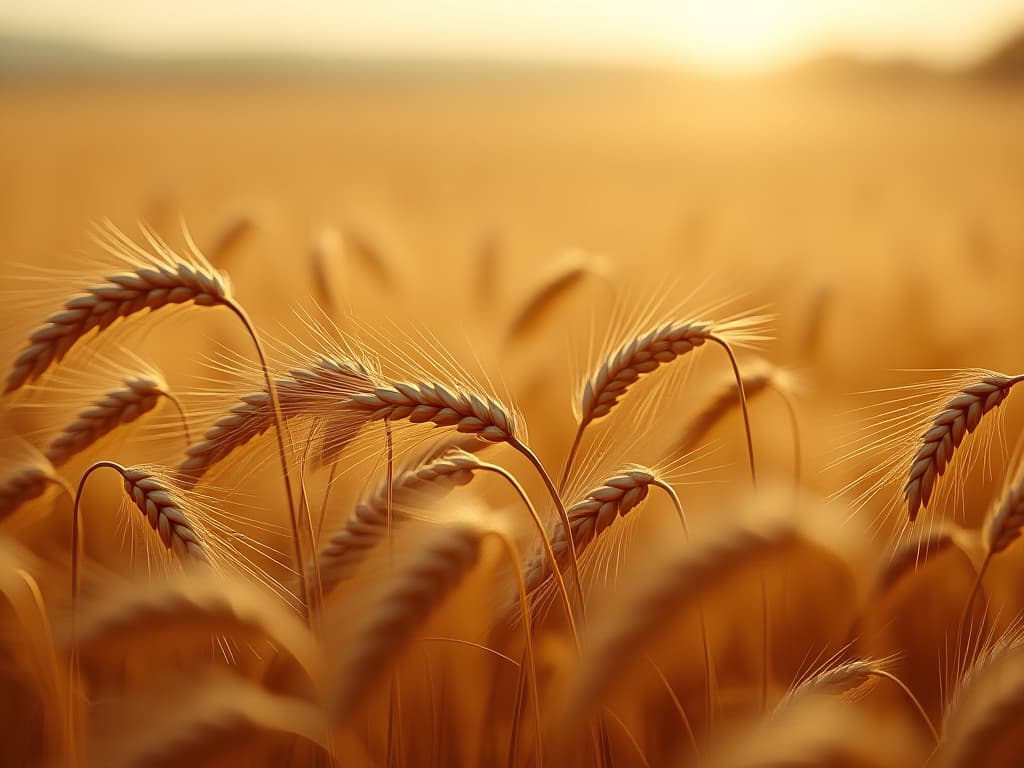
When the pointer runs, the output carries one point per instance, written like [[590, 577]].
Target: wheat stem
[[240, 312], [667, 488], [912, 698], [545, 540], [573, 562], [975, 588]]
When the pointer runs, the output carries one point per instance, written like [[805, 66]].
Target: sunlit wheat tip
[[960, 417], [155, 281], [434, 403]]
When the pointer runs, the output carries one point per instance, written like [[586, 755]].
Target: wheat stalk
[[960, 417], [322, 391], [471, 413], [644, 354], [152, 280], [418, 588], [136, 398]]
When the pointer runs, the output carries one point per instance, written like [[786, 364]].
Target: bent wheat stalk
[[162, 506], [151, 281], [138, 397], [960, 417], [640, 356]]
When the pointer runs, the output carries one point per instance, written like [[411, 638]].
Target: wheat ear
[[159, 280], [136, 615], [321, 391], [846, 678], [562, 278], [470, 413], [986, 707], [639, 356], [911, 554], [218, 719], [1002, 528], [368, 525], [154, 280], [121, 406], [416, 591], [960, 417], [159, 502], [27, 483], [669, 589]]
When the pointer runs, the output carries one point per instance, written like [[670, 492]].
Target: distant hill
[[846, 68], [1005, 63]]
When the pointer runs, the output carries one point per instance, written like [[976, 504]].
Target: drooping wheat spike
[[814, 734], [848, 679], [756, 381], [960, 417], [156, 497], [982, 721], [1002, 527], [321, 392], [368, 526], [645, 353], [560, 280], [323, 253], [155, 280], [418, 588], [136, 398], [212, 719], [590, 517], [434, 403], [471, 413], [668, 589], [28, 482], [233, 231], [151, 280], [195, 606], [912, 554]]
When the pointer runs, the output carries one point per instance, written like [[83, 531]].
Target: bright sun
[[740, 34]]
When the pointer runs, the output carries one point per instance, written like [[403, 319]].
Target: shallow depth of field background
[[875, 209]]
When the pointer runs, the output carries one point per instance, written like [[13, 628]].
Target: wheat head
[[960, 417], [136, 398], [416, 590], [153, 281], [322, 392], [369, 524]]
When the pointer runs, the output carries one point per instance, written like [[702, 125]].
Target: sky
[[721, 35]]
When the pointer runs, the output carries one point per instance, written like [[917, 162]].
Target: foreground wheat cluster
[[341, 548]]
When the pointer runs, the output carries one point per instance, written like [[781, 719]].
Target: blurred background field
[[872, 204]]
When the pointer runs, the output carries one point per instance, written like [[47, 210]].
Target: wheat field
[[510, 418]]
